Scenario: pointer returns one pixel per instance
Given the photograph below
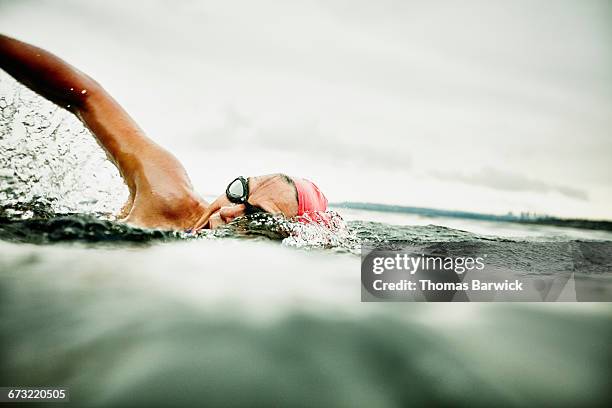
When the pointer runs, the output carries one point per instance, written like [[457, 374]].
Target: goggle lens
[[236, 189]]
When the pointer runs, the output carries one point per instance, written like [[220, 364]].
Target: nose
[[228, 213]]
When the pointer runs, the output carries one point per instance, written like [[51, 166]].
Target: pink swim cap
[[310, 198]]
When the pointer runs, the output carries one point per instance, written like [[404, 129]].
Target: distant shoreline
[[600, 225]]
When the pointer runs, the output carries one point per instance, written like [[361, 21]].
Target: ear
[[271, 207]]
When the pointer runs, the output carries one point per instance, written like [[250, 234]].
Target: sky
[[489, 106]]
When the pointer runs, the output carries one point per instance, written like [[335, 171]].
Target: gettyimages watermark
[[487, 271]]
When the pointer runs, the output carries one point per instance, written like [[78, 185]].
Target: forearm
[[45, 73]]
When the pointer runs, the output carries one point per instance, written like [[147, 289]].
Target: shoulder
[[166, 209]]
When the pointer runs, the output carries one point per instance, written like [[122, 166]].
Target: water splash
[[323, 230], [48, 157], [333, 234]]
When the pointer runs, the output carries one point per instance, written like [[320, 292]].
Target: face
[[271, 193]]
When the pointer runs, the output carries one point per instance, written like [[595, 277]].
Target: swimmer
[[161, 194]]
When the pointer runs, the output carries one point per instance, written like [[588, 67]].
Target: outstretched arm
[[154, 176], [58, 81]]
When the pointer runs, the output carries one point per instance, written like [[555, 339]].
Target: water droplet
[[84, 91]]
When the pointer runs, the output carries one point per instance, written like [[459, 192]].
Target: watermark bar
[[34, 394], [486, 271]]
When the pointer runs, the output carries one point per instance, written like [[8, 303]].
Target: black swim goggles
[[238, 193]]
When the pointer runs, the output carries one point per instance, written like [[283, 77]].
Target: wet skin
[[160, 192]]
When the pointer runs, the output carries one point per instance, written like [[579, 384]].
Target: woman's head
[[273, 193]]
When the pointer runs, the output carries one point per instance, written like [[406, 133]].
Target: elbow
[[74, 96], [81, 92], [75, 100], [80, 95]]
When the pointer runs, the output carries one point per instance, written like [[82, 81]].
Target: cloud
[[308, 138], [508, 181]]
